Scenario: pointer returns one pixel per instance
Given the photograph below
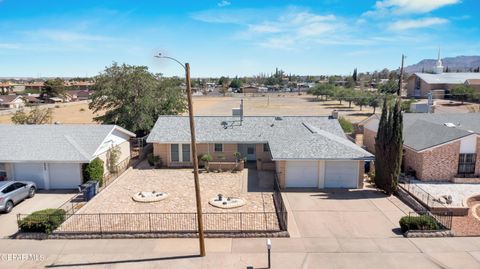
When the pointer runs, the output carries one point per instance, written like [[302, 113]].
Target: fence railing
[[441, 213], [108, 223], [279, 204]]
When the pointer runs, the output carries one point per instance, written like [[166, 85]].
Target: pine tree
[[354, 76], [389, 147]]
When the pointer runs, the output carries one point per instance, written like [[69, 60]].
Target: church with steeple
[[438, 82]]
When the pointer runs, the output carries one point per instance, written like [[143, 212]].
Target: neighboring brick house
[[304, 151], [437, 147]]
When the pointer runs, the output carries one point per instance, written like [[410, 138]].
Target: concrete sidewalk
[[238, 253]]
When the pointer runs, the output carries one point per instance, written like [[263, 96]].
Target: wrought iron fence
[[279, 204], [108, 223], [441, 213]]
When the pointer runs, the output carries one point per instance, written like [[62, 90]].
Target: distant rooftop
[[447, 78]]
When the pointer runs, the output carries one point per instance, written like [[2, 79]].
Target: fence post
[[149, 222], [100, 223]]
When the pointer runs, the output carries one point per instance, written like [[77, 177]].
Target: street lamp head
[[269, 244], [158, 56]]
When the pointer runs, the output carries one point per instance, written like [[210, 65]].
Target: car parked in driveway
[[13, 192]]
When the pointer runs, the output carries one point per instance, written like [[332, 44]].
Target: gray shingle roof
[[422, 130], [294, 137], [447, 78], [52, 143]]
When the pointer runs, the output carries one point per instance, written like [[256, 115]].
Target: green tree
[[390, 87], [223, 81], [341, 94], [354, 76], [134, 98], [462, 92], [35, 116], [53, 88], [236, 83], [388, 147], [374, 100], [322, 90], [361, 99]]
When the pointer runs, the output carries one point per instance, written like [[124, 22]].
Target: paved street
[[328, 230]]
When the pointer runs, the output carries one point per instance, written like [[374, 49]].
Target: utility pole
[[201, 236], [198, 199], [400, 80]]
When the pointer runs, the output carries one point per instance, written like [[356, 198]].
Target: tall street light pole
[[201, 236]]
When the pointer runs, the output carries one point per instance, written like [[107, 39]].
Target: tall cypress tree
[[389, 147]]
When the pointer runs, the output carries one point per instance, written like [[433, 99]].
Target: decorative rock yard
[[177, 212]]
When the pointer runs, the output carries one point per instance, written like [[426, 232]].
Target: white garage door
[[64, 175], [302, 174], [30, 172], [341, 174]]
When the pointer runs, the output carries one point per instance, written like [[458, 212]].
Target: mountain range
[[454, 64]]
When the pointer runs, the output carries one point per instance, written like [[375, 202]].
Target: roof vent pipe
[[334, 114], [241, 111]]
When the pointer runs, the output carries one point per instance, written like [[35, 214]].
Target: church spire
[[438, 67]]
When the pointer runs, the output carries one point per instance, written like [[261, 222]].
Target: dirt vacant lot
[[261, 104]]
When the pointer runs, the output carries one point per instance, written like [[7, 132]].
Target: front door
[[247, 151]]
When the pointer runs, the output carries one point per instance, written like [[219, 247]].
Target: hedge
[[43, 221], [94, 171], [422, 222]]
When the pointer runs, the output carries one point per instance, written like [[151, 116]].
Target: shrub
[[422, 222], [154, 160], [94, 171], [206, 158], [347, 126], [57, 106], [43, 221], [82, 109]]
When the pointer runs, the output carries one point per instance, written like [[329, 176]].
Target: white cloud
[[402, 25], [67, 36], [384, 8], [223, 3]]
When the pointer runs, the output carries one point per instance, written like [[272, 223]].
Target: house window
[[266, 148], [180, 152], [174, 152], [3, 172], [218, 147], [186, 152], [466, 164]]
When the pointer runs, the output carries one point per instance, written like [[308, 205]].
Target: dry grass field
[[278, 104], [271, 104], [66, 113]]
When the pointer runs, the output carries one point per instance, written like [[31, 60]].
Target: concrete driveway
[[344, 214], [42, 200]]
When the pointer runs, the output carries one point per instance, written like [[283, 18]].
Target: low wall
[[265, 166], [466, 180], [226, 165]]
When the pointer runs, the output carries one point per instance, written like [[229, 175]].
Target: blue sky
[[231, 37]]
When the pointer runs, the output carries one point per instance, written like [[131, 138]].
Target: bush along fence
[[433, 218], [118, 225]]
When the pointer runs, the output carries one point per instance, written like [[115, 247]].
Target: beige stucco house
[[304, 151], [52, 156]]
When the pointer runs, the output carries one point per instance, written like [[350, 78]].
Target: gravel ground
[[459, 192], [179, 184]]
